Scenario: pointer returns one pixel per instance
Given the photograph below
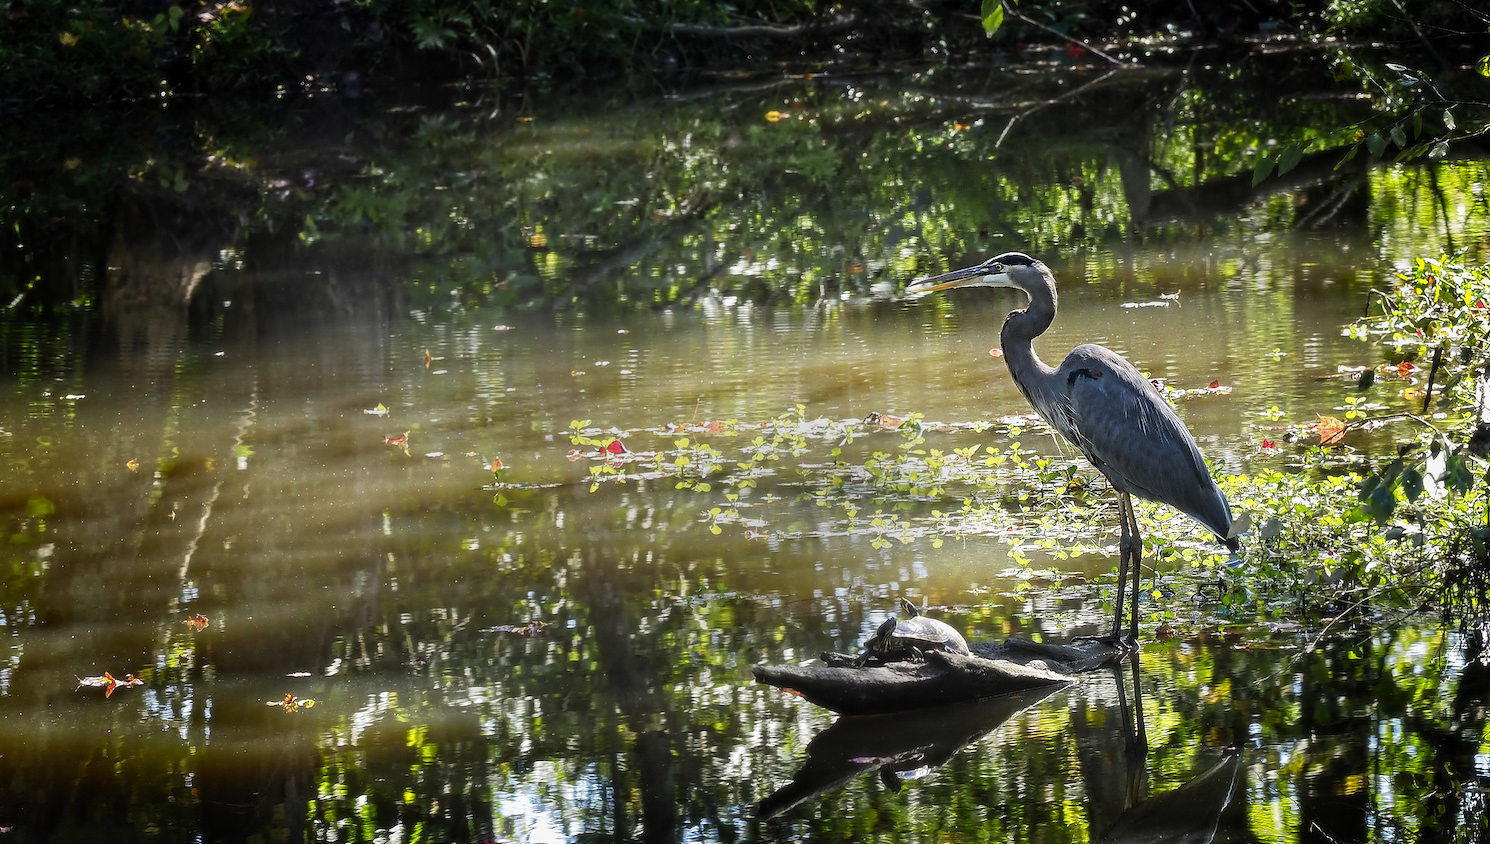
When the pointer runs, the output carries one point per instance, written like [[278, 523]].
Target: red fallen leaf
[[1214, 384], [401, 439], [574, 454], [1405, 369], [1269, 445], [1073, 50], [889, 421], [615, 447], [1331, 430], [716, 427], [995, 352]]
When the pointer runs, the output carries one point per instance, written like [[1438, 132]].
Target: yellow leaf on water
[[67, 38]]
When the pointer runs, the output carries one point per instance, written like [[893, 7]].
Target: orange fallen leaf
[[197, 622], [574, 454], [1331, 430], [496, 465], [291, 703], [133, 465], [428, 358], [1405, 369], [108, 682], [1214, 384]]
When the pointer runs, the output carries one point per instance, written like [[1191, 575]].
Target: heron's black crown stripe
[[1015, 258]]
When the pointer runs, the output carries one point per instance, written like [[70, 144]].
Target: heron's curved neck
[[1022, 327]]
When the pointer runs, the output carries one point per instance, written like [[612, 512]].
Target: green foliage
[[993, 16], [1435, 492]]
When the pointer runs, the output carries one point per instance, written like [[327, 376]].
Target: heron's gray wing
[[1136, 439]]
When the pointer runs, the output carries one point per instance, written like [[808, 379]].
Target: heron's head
[[1011, 269]]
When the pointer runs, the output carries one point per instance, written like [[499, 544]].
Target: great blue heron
[[1107, 409]]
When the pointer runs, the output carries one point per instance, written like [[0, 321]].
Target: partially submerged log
[[943, 678]]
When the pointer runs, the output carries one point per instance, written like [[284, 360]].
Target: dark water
[[233, 461]]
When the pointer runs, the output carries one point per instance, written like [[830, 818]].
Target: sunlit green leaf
[[1376, 145], [1448, 120], [1398, 136], [1484, 66], [1439, 150], [993, 16]]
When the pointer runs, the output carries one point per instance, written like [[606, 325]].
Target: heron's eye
[[998, 268]]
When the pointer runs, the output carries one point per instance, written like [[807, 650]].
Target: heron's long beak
[[975, 276]]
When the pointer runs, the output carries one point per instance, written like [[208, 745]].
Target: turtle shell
[[917, 631], [928, 634]]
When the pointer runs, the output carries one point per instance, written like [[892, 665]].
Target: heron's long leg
[[1124, 505], [1136, 552]]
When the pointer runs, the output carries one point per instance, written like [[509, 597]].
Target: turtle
[[911, 637]]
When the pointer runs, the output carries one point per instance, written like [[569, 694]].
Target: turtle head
[[885, 635]]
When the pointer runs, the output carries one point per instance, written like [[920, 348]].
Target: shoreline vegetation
[[127, 50]]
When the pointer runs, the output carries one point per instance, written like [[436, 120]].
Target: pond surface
[[286, 523]]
